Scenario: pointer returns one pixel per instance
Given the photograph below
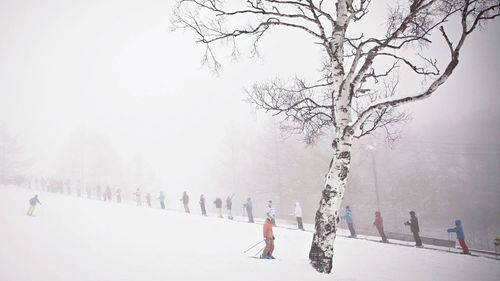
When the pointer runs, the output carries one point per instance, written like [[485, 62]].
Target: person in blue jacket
[[248, 207], [458, 229], [349, 221]]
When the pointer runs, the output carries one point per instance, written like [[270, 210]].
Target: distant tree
[[357, 91]]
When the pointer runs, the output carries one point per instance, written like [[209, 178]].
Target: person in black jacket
[[33, 202], [218, 206], [413, 223]]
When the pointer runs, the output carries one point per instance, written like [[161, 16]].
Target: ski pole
[[254, 246], [256, 254]]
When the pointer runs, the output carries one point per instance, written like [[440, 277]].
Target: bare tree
[[356, 93]]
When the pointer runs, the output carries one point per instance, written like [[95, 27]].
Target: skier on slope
[[202, 205], [138, 197], [268, 238], [218, 207], [413, 223], [460, 236], [148, 200], [271, 212], [379, 224], [349, 221], [248, 207], [185, 201], [162, 200], [229, 206], [99, 195], [298, 215], [33, 202], [107, 194]]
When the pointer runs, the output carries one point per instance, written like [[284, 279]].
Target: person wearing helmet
[[460, 236], [413, 223], [268, 238]]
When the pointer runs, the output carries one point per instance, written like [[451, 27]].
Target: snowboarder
[[185, 201], [379, 224], [138, 197], [229, 206], [248, 207], [218, 206], [268, 238], [460, 236], [349, 221], [271, 212], [148, 199], [33, 202], [162, 200], [298, 215], [202, 205], [118, 196], [413, 223]]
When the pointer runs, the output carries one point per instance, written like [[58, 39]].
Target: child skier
[[349, 221], [33, 202], [379, 224], [413, 223], [460, 236], [268, 238], [298, 215]]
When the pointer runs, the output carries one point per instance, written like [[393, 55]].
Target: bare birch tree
[[355, 94]]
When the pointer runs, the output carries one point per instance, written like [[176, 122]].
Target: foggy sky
[[116, 69]]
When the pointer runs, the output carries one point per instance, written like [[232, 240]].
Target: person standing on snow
[[413, 223], [202, 205], [148, 200], [107, 194], [185, 202], [298, 215], [349, 221], [138, 197], [33, 202], [98, 188], [118, 196], [229, 206], [460, 236], [271, 212], [162, 200], [379, 224], [248, 207], [218, 207], [268, 238]]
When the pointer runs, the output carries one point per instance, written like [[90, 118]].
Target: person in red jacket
[[268, 238], [379, 224]]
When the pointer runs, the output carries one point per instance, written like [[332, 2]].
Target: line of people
[[412, 223]]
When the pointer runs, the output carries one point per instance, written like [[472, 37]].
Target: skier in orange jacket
[[269, 238]]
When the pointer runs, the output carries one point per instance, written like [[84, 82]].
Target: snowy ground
[[78, 239]]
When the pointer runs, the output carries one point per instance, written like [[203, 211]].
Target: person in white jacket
[[298, 215]]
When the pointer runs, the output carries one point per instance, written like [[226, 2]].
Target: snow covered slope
[[78, 239]]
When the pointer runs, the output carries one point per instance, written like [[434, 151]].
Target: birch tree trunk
[[328, 213]]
